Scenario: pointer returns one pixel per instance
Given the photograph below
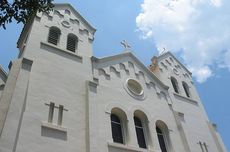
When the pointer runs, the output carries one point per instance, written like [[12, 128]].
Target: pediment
[[125, 63], [169, 61], [62, 15], [68, 17]]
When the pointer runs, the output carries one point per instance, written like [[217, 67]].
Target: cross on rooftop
[[125, 44], [163, 51]]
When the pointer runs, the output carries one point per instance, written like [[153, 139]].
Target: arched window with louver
[[72, 42], [54, 35]]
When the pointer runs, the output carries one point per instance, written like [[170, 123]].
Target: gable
[[63, 15], [125, 63], [169, 61], [69, 14]]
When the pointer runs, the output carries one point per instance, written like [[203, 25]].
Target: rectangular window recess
[[54, 127]]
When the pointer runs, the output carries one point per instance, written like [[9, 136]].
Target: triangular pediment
[[67, 13], [64, 16], [126, 62], [168, 59]]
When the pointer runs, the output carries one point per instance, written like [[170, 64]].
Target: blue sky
[[196, 31]]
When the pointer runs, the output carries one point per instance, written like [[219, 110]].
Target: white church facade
[[58, 97]]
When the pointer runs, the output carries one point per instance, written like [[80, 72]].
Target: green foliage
[[21, 10]]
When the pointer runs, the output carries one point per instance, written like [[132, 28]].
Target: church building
[[58, 97]]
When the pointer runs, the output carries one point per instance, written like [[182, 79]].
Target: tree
[[21, 10]]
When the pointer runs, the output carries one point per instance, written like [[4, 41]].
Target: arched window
[[163, 136], [140, 132], [54, 35], [186, 89], [161, 139], [72, 42], [116, 129], [175, 84]]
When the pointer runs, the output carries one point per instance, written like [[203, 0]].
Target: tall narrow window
[[116, 129], [175, 84], [186, 89], [140, 132], [72, 42], [54, 35], [161, 139]]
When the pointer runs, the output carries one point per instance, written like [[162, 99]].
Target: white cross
[[125, 44]]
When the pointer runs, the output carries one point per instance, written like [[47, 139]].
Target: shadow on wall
[[52, 133]]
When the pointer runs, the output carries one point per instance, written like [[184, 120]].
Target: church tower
[[187, 105], [45, 89]]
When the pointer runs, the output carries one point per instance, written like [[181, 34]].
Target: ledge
[[186, 98], [54, 127], [127, 147], [61, 50]]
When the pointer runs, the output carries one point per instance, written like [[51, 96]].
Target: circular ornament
[[134, 88]]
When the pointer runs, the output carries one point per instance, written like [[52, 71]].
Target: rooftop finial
[[163, 51], [126, 45]]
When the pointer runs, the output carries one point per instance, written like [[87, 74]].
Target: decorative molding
[[141, 96], [65, 24], [53, 126], [127, 147], [93, 84], [56, 48], [186, 98]]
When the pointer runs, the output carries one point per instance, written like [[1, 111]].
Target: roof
[[170, 54], [137, 61]]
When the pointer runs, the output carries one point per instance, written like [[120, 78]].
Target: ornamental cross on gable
[[125, 44]]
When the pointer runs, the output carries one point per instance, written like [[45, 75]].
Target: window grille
[[54, 35], [72, 41]]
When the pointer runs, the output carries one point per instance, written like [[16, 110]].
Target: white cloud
[[197, 29], [201, 73]]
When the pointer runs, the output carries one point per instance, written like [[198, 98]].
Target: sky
[[197, 32]]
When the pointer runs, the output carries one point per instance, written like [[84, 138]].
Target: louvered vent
[[54, 35], [72, 41]]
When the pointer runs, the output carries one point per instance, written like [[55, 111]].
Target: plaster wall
[[111, 93], [55, 81]]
